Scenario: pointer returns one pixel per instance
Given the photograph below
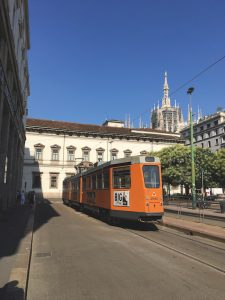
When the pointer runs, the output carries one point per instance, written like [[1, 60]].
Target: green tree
[[176, 166], [205, 168], [220, 168]]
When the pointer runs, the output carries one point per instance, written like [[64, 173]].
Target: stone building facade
[[167, 117], [55, 149], [208, 132], [14, 91]]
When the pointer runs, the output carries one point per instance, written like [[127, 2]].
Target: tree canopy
[[176, 166]]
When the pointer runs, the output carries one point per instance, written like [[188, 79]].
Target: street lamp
[[190, 91]]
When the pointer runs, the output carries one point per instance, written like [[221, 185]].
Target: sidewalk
[[195, 227], [16, 226]]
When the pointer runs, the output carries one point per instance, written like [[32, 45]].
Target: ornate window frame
[[100, 154], [114, 154], [71, 153], [54, 154], [38, 148], [86, 153], [127, 153]]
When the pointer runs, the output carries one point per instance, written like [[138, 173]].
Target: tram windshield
[[151, 176]]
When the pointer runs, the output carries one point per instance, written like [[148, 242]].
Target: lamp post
[[202, 184], [108, 142], [189, 92]]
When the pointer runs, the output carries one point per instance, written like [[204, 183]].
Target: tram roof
[[122, 161]]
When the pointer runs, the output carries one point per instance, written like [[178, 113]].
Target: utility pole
[[190, 91]]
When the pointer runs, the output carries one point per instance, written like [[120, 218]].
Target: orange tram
[[128, 188]]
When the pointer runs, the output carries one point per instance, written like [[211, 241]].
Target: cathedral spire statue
[[166, 99]]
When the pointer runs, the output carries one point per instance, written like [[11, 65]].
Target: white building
[[208, 132], [14, 90], [53, 149]]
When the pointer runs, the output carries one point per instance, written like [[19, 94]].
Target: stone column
[[11, 164], [4, 137], [15, 167], [1, 103]]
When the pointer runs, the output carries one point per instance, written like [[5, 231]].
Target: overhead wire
[[187, 82]]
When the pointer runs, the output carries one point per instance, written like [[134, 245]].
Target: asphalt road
[[76, 256]]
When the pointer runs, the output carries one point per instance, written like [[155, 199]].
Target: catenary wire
[[187, 82]]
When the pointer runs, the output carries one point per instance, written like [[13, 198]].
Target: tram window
[[88, 183], [93, 182], [99, 180], [84, 183], [106, 179], [121, 178], [151, 176]]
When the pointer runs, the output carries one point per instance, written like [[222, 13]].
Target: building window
[[217, 142], [209, 144], [216, 122], [39, 151], [55, 152], [208, 125], [85, 153], [202, 145], [144, 152], [71, 153], [127, 153], [53, 180], [113, 154], [100, 154], [36, 180], [201, 128]]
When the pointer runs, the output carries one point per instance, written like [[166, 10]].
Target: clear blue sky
[[96, 59]]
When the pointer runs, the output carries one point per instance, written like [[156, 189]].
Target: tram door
[[152, 183]]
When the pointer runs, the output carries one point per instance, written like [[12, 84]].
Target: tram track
[[189, 238], [183, 253], [136, 232]]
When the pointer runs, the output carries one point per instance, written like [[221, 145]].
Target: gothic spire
[[166, 99]]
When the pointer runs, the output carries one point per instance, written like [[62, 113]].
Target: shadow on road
[[43, 213], [13, 224], [125, 224], [10, 291]]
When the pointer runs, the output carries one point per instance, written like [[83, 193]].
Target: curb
[[192, 214], [17, 288], [194, 232]]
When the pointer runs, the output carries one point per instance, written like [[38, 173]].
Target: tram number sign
[[122, 198]]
